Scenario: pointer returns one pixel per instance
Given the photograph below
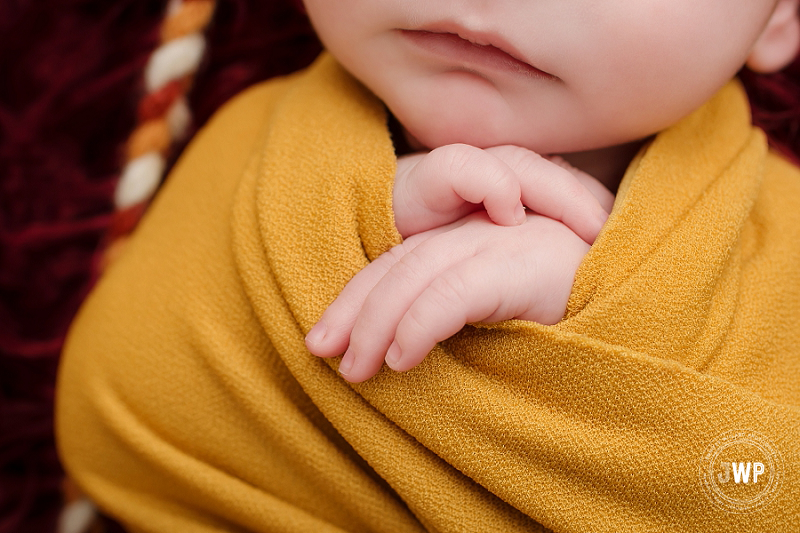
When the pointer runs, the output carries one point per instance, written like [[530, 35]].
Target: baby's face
[[559, 76]]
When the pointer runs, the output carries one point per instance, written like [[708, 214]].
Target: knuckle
[[574, 192], [524, 161], [414, 325], [359, 339], [395, 253], [380, 267], [485, 174], [498, 180], [448, 290], [457, 157], [407, 268]]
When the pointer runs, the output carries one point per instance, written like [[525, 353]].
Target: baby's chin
[[443, 130], [429, 137], [479, 124], [432, 129], [433, 134]]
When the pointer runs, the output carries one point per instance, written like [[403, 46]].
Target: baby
[[511, 82]]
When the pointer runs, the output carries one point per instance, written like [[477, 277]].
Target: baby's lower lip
[[452, 47]]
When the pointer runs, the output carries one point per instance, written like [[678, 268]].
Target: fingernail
[[346, 365], [317, 333], [393, 355], [519, 214]]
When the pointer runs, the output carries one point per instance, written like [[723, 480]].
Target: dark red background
[[70, 81]]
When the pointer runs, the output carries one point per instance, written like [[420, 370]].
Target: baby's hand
[[438, 187], [424, 290]]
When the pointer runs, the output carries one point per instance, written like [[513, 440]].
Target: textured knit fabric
[[188, 402]]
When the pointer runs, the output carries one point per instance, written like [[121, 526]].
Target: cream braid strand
[[163, 115]]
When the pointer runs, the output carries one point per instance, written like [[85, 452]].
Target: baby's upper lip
[[477, 37]]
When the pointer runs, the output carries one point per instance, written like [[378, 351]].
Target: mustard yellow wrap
[[187, 400]]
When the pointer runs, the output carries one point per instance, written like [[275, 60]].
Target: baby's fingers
[[468, 292], [440, 185], [555, 192], [393, 295], [330, 336]]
